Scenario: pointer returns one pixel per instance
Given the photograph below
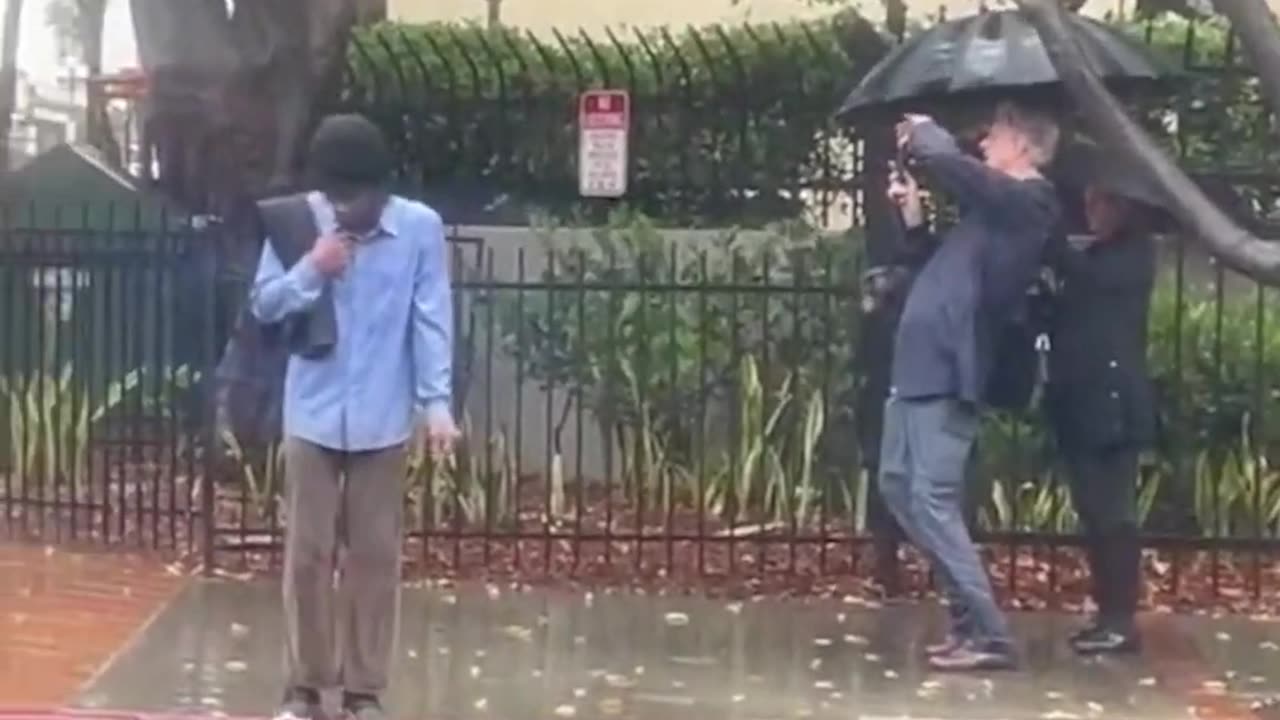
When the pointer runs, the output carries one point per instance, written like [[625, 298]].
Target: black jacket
[[1100, 395]]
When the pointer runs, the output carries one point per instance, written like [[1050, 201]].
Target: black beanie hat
[[348, 152]]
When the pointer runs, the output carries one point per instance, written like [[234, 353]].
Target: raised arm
[[432, 321], [966, 178], [278, 293]]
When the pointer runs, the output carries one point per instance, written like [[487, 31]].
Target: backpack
[[1018, 354], [249, 379]]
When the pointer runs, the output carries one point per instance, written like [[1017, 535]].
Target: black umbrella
[[1083, 163], [993, 52]]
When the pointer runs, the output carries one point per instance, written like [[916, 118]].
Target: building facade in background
[[542, 16], [45, 115]]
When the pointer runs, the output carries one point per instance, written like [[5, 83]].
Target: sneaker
[[300, 704], [971, 657], [946, 647], [1102, 640], [362, 707]]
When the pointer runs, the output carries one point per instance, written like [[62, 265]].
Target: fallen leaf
[[610, 706], [856, 640], [1094, 708], [1223, 637], [239, 631], [1053, 695], [566, 711], [815, 664], [822, 642], [519, 632], [891, 674], [824, 685], [236, 666], [475, 671], [871, 657], [1147, 682], [676, 619], [735, 607], [481, 704], [739, 698]]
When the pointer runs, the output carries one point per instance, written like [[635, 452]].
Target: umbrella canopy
[[993, 52], [1084, 163]]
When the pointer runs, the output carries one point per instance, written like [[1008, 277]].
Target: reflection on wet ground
[[488, 653]]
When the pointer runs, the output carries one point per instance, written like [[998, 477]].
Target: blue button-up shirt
[[393, 357]]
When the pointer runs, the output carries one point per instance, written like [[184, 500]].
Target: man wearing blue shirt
[[351, 412]]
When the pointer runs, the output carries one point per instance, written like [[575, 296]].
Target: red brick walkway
[[64, 614]]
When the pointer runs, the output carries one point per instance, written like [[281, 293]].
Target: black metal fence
[[637, 403], [102, 437]]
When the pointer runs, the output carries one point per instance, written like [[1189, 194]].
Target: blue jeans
[[923, 453]]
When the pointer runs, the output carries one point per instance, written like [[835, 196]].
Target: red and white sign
[[604, 125]]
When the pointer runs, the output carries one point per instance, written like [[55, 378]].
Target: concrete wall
[[497, 401]]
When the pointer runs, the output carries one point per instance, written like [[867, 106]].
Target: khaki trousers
[[343, 634]]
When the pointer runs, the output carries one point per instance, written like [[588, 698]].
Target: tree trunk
[[232, 95], [9, 78], [371, 11], [1259, 35], [1199, 217], [230, 99], [92, 19]]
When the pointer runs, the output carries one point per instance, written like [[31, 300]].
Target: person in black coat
[[1100, 400]]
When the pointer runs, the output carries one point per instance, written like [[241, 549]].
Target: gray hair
[[1038, 127]]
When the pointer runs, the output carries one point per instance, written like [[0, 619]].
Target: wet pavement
[[64, 614], [489, 653]]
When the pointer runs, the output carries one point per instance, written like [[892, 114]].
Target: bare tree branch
[[1129, 143], [1256, 27]]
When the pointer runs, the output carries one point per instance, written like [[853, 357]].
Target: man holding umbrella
[[972, 285], [1100, 396]]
